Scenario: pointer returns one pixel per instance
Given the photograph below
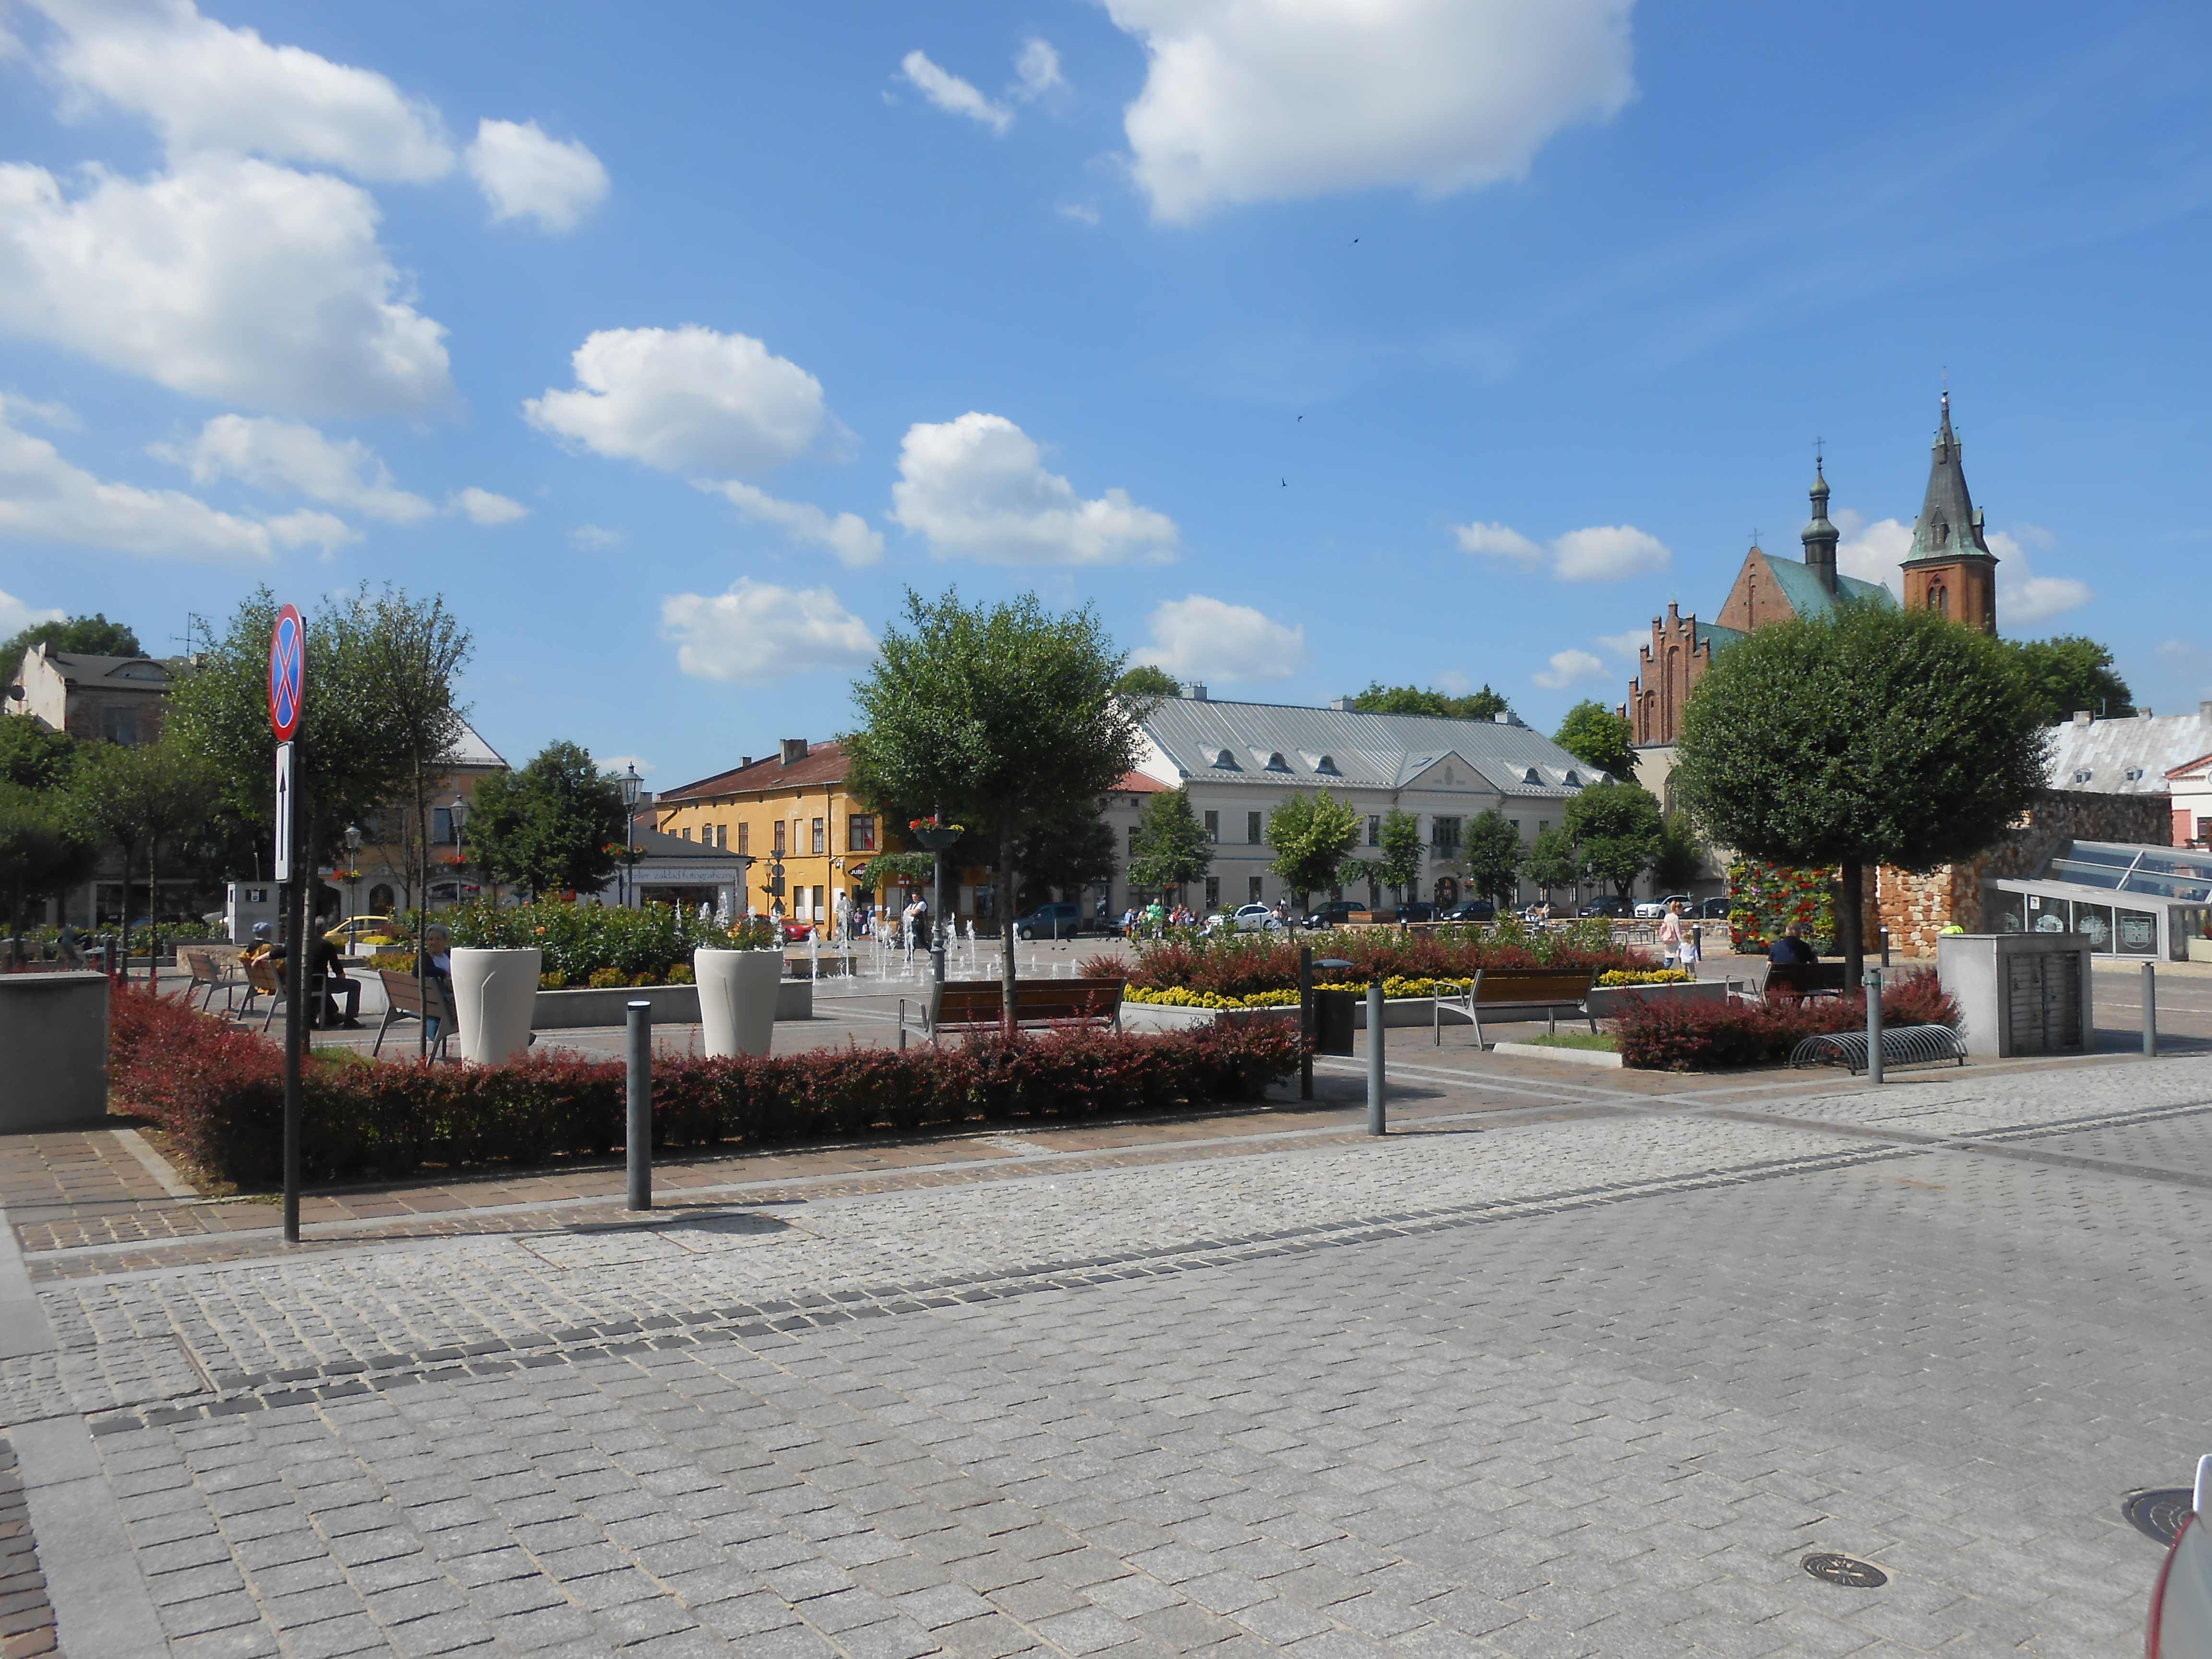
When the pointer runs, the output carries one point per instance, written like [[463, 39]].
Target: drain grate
[[1845, 1571], [2159, 1512]]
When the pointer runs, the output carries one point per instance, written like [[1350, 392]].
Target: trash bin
[[1333, 1021]]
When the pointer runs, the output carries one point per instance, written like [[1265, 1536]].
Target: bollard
[[1885, 947], [1874, 1025], [638, 1137], [1375, 1123], [2150, 1011], [1305, 1021]]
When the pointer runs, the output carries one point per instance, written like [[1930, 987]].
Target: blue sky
[[1406, 339]]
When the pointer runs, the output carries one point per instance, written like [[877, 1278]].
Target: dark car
[[1058, 918], [1335, 914], [1474, 910], [1611, 905], [1711, 909], [1420, 910]]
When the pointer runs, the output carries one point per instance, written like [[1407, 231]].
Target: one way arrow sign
[[283, 812]]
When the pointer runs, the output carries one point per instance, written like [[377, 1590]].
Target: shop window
[[380, 899]]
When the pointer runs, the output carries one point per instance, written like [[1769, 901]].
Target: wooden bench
[[406, 999], [978, 1005], [1519, 991], [1788, 981]]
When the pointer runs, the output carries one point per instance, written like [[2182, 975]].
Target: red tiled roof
[[825, 764], [1136, 783]]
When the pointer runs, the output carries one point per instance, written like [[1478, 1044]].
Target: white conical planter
[[493, 993], [737, 998]]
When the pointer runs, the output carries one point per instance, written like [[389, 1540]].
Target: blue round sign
[[287, 673]]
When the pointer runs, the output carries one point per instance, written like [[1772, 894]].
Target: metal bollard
[[2150, 1011], [1305, 1021], [638, 1136], [1885, 947], [902, 1025], [1375, 1123], [1874, 1024]]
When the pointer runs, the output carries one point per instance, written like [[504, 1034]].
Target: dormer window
[[1530, 776], [1277, 763], [1226, 762], [2083, 776], [1327, 764], [2135, 774], [1574, 779]]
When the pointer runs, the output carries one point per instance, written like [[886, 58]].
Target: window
[[1516, 823], [1939, 599], [1214, 826], [861, 833], [1214, 892], [814, 837], [1574, 779], [380, 899], [779, 838], [1446, 835], [1374, 829], [1133, 841], [1224, 761], [1255, 828], [1277, 763], [1543, 825], [441, 825], [685, 832], [1252, 890], [1531, 776], [745, 838], [1327, 764]]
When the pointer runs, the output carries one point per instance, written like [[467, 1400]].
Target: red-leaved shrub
[[1686, 1036], [1239, 965]]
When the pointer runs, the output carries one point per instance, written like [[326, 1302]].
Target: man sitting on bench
[[1791, 951]]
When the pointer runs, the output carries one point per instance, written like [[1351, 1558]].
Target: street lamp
[[353, 864], [631, 784], [458, 810]]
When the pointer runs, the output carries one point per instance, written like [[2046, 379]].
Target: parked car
[[1058, 919], [1610, 905], [1711, 909], [368, 932], [1652, 908], [2181, 1602], [796, 931], [1254, 918], [1420, 910], [1474, 910], [1335, 914]]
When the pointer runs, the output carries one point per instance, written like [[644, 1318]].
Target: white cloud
[[953, 94], [846, 535], [44, 498], [1569, 667], [1081, 212], [205, 86], [596, 538], [1037, 70], [758, 632], [230, 280], [291, 457], [1203, 638], [685, 400], [485, 507], [1597, 554], [1453, 683], [1871, 552], [614, 764], [1629, 645], [2023, 597], [2176, 650], [15, 616], [1256, 100], [525, 174], [60, 416], [977, 488]]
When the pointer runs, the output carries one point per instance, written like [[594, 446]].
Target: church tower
[[1950, 569], [1819, 536]]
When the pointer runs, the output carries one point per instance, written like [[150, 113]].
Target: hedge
[[1667, 1036], [219, 1092]]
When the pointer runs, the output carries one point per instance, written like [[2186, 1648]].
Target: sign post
[[287, 673]]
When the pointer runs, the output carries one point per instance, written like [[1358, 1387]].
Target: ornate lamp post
[[631, 784], [353, 867], [460, 810], [935, 837]]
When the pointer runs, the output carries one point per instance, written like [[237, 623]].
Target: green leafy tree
[[1171, 849], [1311, 834], [1552, 861], [150, 795], [1381, 699], [1491, 854], [1597, 737], [32, 757], [1617, 829], [1004, 717], [42, 849], [89, 636], [1679, 858], [555, 826], [1067, 854], [2071, 672], [1148, 681], [1872, 735], [1404, 855]]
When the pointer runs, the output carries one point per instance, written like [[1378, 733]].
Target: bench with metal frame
[[1792, 981], [406, 998], [1494, 991], [978, 1005], [209, 974], [262, 979]]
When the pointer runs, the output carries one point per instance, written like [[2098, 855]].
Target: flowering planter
[[494, 994], [1611, 1001], [738, 992]]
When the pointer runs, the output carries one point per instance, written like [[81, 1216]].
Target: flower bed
[[1686, 1036], [219, 1092], [1766, 898]]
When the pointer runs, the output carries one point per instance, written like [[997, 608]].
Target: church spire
[[1949, 525], [1819, 536]]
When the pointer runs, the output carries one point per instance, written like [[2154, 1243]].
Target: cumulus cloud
[[685, 400], [1872, 552], [977, 488], [955, 96], [1257, 100], [846, 535], [1203, 638], [596, 537], [292, 458], [1630, 644], [15, 616], [45, 498], [229, 279], [487, 508], [758, 632], [1567, 668], [1037, 70], [1598, 554], [203, 86], [525, 174]]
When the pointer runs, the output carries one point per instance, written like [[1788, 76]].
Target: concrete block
[[672, 1005], [54, 1035]]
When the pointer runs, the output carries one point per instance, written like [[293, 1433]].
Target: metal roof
[[2128, 756], [1949, 526], [1808, 595], [1348, 748]]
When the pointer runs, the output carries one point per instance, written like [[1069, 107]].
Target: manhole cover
[[1843, 1569], [2159, 1513]]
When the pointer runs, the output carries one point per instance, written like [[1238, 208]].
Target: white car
[[1245, 919], [2181, 1605], [1652, 909]]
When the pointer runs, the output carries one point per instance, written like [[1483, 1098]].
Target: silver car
[[2181, 1605]]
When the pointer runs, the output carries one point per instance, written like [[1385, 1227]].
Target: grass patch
[[1604, 1040]]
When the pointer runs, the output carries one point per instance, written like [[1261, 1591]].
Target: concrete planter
[[54, 1035], [1605, 1057], [738, 992], [1611, 1001], [494, 994], [672, 1005], [1167, 1017], [2200, 949]]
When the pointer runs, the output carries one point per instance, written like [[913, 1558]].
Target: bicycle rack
[[1901, 1045]]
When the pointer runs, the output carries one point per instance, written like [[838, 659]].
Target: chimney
[[794, 749], [2083, 717], [1346, 703], [2204, 710], [744, 763], [1503, 717], [1196, 692]]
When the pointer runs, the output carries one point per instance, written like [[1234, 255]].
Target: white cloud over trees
[[1198, 637], [757, 632], [977, 488], [1600, 553]]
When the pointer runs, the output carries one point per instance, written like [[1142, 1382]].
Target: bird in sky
[[1302, 417], [1286, 483]]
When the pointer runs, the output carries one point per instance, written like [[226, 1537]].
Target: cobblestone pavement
[[1591, 1378]]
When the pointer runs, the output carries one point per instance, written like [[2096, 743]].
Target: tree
[[1004, 716], [1872, 735], [32, 757], [1491, 854], [89, 636], [1552, 860], [42, 850], [1171, 849], [1312, 834], [1149, 680], [142, 795], [555, 826], [1679, 858], [414, 651], [1067, 854], [1379, 699], [2070, 673], [1617, 830], [1403, 856], [1597, 737]]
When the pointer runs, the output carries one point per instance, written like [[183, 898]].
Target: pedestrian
[[1670, 936], [330, 986], [434, 966]]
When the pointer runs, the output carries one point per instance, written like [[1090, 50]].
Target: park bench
[[978, 1005], [405, 998], [209, 974], [1498, 991], [1788, 981]]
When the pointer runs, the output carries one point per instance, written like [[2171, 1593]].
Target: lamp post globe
[[353, 864], [632, 786]]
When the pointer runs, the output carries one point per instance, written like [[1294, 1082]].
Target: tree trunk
[[1007, 875], [123, 961], [1849, 931], [153, 914], [422, 916]]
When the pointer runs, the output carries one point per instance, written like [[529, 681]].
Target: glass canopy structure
[[2130, 900]]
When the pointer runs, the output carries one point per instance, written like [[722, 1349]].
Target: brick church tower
[[1950, 569]]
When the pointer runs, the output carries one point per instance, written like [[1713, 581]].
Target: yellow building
[[790, 807]]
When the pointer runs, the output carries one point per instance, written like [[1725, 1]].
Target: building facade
[[383, 876], [791, 808], [103, 699]]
